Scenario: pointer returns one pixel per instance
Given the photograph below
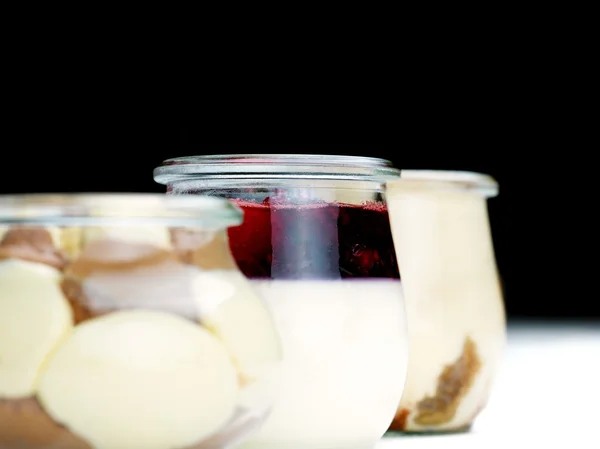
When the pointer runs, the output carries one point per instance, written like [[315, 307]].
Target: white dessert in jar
[[340, 384], [334, 290], [316, 245], [454, 302]]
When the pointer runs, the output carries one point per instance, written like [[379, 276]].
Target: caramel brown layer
[[453, 384], [399, 422], [33, 244], [25, 425]]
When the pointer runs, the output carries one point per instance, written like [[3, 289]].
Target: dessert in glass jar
[[316, 244], [125, 323], [454, 303]]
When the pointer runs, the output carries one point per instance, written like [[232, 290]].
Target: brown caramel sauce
[[399, 422], [73, 291], [25, 425], [33, 244], [453, 384]]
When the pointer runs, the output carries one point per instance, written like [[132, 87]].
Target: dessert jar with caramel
[[316, 244], [454, 301], [125, 323]]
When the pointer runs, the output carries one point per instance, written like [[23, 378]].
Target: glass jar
[[454, 303], [316, 244], [125, 323]]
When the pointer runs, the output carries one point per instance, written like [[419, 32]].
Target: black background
[[524, 216]]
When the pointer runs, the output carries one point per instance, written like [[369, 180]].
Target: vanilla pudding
[[454, 303], [340, 385]]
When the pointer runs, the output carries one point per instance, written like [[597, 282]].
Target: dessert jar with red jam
[[317, 246], [125, 323], [454, 301]]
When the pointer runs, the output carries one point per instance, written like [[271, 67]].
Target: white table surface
[[547, 395]]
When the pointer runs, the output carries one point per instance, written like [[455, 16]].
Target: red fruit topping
[[317, 241]]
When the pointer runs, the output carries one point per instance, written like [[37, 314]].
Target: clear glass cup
[[454, 302], [125, 323], [316, 244]]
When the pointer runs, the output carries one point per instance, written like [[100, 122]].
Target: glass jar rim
[[480, 183], [275, 166], [108, 209]]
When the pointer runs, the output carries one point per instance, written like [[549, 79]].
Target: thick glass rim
[[118, 208], [275, 166], [475, 182]]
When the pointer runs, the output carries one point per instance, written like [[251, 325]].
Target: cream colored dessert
[[123, 371], [229, 308], [453, 297], [345, 355], [34, 318], [127, 346]]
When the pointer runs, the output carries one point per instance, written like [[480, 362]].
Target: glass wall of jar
[[125, 323], [454, 302], [316, 244]]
